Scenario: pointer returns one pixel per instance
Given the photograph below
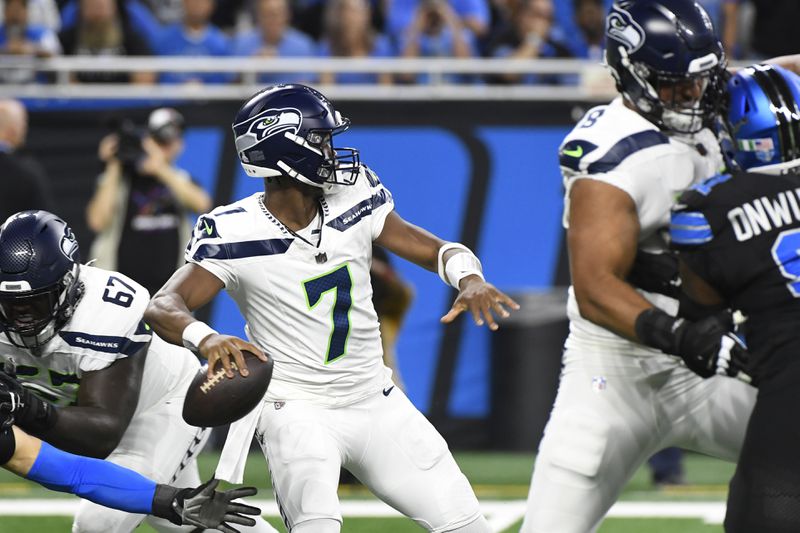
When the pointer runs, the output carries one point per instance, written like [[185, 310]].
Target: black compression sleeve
[[8, 445]]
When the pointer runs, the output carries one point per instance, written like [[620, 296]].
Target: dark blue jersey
[[741, 234]]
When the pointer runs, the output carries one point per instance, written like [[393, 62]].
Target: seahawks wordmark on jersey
[[106, 326], [616, 145], [308, 305]]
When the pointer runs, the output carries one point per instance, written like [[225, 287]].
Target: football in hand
[[219, 400]]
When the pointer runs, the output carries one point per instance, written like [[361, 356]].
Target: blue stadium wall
[[483, 173]]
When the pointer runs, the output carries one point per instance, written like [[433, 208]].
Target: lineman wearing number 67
[[93, 379], [296, 260]]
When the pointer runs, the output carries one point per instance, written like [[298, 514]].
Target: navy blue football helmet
[[287, 130], [667, 61], [763, 119], [39, 286]]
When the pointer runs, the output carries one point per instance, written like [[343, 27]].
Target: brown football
[[221, 400]]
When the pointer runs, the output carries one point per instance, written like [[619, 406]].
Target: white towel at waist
[[237, 446]]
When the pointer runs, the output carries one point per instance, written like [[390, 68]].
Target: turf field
[[501, 481]]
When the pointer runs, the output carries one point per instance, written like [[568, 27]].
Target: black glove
[[707, 346], [10, 403], [30, 412], [205, 507]]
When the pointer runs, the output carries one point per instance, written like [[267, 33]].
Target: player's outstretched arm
[[169, 313], [120, 488], [456, 265]]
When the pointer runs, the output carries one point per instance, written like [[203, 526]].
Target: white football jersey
[[107, 325], [616, 145], [308, 306]]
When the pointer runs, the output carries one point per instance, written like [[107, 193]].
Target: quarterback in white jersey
[[630, 386], [96, 380], [296, 260]]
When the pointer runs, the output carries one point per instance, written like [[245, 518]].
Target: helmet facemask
[[336, 166], [682, 103], [31, 319]]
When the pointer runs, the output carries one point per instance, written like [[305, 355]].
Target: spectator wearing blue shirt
[[529, 36], [195, 36], [102, 30], [590, 18], [135, 14], [348, 33], [474, 15], [437, 31], [18, 38], [275, 38]]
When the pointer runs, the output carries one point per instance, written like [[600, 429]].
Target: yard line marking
[[500, 514]]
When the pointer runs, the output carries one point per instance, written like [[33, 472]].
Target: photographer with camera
[[142, 199]]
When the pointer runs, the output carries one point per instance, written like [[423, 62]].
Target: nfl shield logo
[[599, 384]]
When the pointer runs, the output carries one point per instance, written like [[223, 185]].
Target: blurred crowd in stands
[[750, 29]]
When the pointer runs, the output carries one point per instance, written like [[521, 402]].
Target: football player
[[111, 485], [296, 259], [739, 240], [97, 382], [623, 393]]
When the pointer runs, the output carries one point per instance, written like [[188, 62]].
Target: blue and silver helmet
[[287, 130], [763, 119]]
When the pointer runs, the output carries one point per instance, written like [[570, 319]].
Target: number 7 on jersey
[[340, 282]]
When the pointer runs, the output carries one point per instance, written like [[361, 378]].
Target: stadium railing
[[592, 82]]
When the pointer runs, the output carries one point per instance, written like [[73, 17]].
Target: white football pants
[[384, 441], [611, 413]]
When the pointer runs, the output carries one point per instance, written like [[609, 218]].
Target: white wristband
[[195, 333], [458, 266]]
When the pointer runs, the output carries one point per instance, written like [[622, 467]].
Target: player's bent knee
[[93, 518], [479, 525], [422, 444], [319, 525], [577, 444]]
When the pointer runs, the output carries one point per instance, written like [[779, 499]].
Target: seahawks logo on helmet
[[268, 123], [69, 244], [274, 121], [621, 27]]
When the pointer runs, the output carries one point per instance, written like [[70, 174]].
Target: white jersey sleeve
[[616, 145], [381, 201], [108, 322], [221, 235]]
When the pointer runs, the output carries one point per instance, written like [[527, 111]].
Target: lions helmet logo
[[621, 27], [69, 244]]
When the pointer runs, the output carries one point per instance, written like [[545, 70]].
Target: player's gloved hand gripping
[[707, 346], [29, 412], [205, 507]]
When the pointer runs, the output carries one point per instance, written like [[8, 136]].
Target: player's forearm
[[168, 315], [89, 431], [611, 303], [98, 481]]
